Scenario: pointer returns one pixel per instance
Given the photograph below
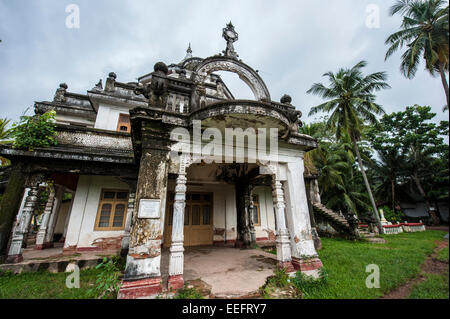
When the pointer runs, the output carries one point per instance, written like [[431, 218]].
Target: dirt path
[[430, 266]]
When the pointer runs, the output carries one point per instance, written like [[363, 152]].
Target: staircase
[[337, 221], [371, 237]]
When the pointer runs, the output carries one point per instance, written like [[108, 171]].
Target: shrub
[[308, 284], [108, 282], [393, 216], [34, 131], [188, 293]]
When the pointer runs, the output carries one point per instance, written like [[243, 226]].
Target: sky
[[291, 43]]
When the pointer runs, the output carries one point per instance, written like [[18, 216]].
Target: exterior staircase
[[371, 237], [337, 221]]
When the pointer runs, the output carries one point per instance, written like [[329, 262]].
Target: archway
[[246, 73]]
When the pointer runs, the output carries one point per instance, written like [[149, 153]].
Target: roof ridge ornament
[[231, 36]]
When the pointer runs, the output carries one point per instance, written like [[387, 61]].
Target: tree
[[351, 100], [421, 145], [5, 134], [424, 31]]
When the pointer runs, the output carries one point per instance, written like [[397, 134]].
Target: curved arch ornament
[[245, 73]]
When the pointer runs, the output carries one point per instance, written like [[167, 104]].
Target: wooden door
[[198, 220]]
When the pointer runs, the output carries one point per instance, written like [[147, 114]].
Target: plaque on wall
[[149, 208]]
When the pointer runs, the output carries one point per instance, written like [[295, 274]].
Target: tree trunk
[[444, 82], [393, 195], [434, 217], [369, 191]]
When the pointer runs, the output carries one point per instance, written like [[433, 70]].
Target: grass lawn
[[46, 285], [345, 263], [399, 259]]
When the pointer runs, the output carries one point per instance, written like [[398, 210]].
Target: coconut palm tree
[[5, 133], [424, 31], [351, 101]]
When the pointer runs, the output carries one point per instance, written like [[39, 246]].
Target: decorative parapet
[[393, 229], [413, 227], [93, 138], [400, 228]]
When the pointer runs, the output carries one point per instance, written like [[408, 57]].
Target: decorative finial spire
[[231, 36], [188, 52]]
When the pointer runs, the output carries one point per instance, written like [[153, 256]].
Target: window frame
[[114, 202], [121, 123]]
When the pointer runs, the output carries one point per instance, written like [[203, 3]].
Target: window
[[256, 216], [112, 210], [124, 123]]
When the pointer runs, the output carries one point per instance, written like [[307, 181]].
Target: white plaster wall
[[67, 119], [265, 210], [80, 231], [63, 211], [108, 116]]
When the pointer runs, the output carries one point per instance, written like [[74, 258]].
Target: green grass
[[43, 284], [443, 254], [399, 260], [434, 287]]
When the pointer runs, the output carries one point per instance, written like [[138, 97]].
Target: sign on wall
[[149, 208]]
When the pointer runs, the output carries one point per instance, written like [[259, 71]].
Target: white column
[[282, 234], [126, 235], [176, 261], [54, 216], [42, 233], [15, 249]]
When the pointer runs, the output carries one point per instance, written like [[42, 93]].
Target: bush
[[34, 131], [393, 216], [108, 281], [188, 293], [307, 284]]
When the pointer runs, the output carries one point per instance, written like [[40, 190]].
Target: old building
[[133, 157]]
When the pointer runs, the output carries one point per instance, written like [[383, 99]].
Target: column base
[[140, 288], [48, 245], [175, 282], [287, 265], [38, 246], [307, 264], [14, 259]]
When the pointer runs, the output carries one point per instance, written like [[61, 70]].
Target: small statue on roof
[[231, 36]]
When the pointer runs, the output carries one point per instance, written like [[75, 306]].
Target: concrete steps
[[333, 217]]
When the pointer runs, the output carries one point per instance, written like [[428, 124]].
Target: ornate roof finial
[[230, 35], [188, 52]]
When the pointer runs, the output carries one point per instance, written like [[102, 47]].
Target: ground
[[416, 260]]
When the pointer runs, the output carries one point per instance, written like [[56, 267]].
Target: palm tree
[[425, 32], [4, 135], [352, 103]]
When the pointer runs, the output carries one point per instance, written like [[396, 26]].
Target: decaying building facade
[[131, 194]]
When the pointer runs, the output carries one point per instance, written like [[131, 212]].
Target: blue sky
[[291, 43]]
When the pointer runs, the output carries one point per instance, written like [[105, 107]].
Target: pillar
[[48, 242], [21, 229], [282, 233], [176, 259], [142, 272], [42, 233], [304, 254], [126, 235]]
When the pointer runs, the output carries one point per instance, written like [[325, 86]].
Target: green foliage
[[280, 278], [308, 285], [107, 284], [34, 131], [424, 32], [393, 216], [188, 293]]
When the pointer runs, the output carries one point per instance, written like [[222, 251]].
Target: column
[[282, 235], [15, 249], [126, 235], [142, 272], [176, 261], [304, 254], [48, 242], [40, 237]]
